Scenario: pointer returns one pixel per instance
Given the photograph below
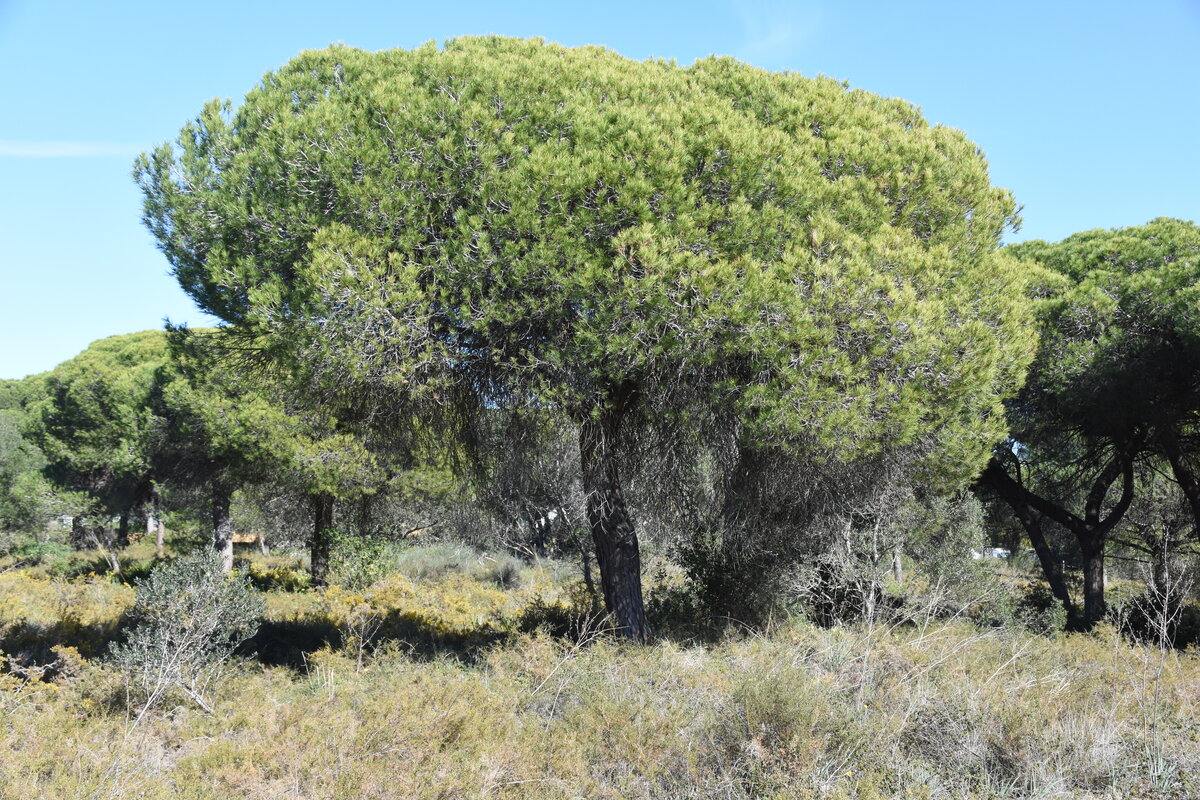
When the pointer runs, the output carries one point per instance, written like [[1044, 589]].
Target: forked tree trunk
[[321, 538], [1090, 531], [617, 552], [1018, 500], [222, 525]]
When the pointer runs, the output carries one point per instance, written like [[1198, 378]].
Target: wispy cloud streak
[[39, 149], [775, 30]]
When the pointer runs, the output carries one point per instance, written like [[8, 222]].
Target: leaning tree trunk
[[321, 538], [1182, 472], [1018, 500], [617, 552], [222, 525]]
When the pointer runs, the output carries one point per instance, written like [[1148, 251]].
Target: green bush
[[187, 620]]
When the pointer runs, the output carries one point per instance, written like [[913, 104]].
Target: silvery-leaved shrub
[[187, 621]]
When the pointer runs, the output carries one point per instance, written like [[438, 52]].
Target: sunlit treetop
[[534, 224]]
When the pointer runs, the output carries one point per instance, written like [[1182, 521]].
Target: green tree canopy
[[95, 424], [223, 429], [518, 224], [1116, 378]]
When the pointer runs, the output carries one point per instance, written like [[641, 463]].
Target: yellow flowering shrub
[[267, 573], [39, 612]]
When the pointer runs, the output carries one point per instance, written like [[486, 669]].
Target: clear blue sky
[[1088, 111]]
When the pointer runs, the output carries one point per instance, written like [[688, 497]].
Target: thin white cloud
[[33, 149], [775, 30]]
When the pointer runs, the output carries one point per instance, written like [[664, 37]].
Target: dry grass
[[935, 711]]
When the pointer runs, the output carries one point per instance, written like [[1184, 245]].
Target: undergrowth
[[453, 677]]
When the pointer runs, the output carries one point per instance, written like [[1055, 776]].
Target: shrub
[[37, 612], [188, 619], [357, 562]]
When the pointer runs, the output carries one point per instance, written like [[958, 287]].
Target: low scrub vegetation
[[442, 679]]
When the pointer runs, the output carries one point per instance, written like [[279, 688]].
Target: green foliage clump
[[188, 619]]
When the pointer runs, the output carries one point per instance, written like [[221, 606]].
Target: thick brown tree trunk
[[617, 551], [222, 525], [1093, 581], [321, 538]]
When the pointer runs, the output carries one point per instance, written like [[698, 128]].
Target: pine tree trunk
[[79, 538], [321, 538], [222, 525], [1093, 582], [148, 509], [1160, 577], [617, 552], [160, 532], [1018, 500], [1051, 564], [123, 530]]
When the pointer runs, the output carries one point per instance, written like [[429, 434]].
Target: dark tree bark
[[1183, 473], [1090, 532], [321, 538], [123, 530], [1013, 493], [222, 524], [79, 537], [617, 551], [1094, 606]]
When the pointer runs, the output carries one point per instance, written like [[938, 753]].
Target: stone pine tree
[[510, 223], [226, 429], [1116, 380], [95, 426]]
